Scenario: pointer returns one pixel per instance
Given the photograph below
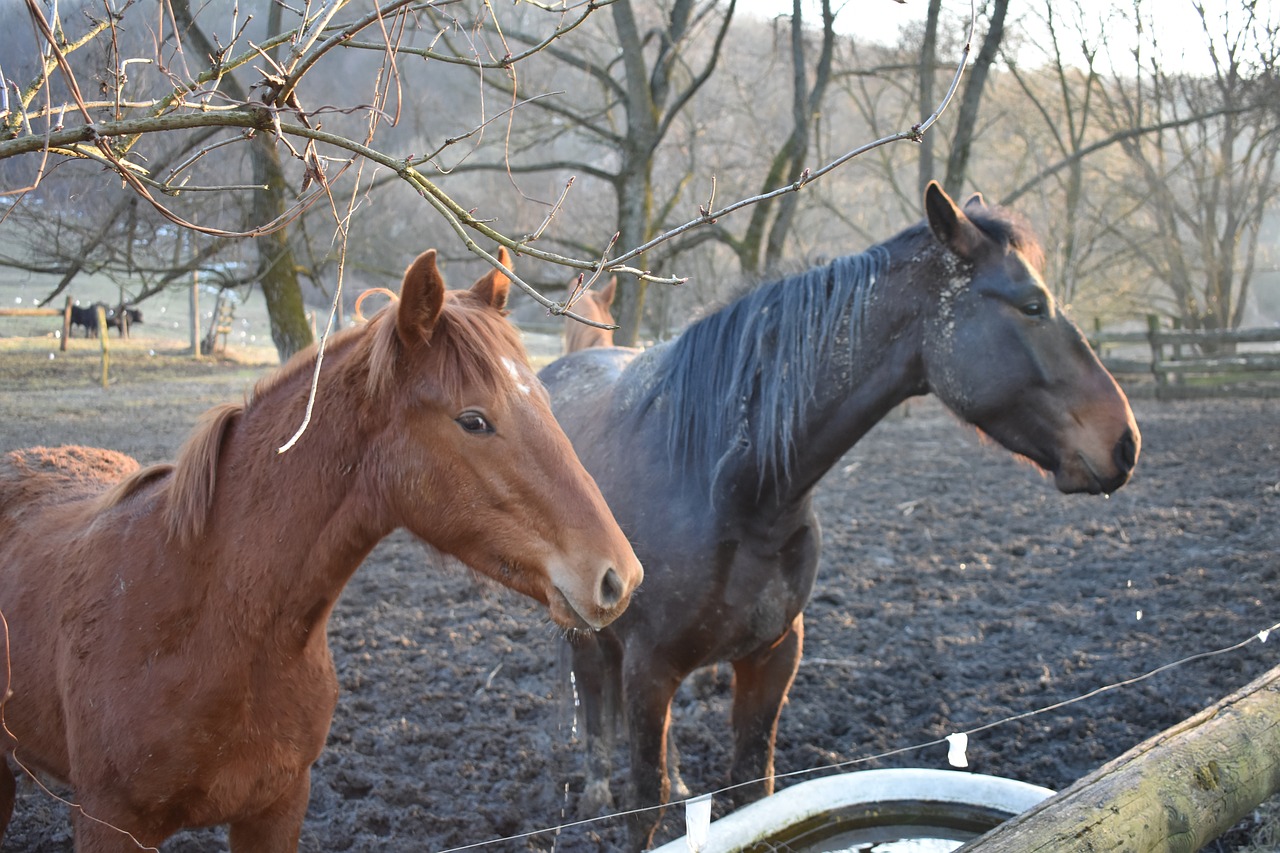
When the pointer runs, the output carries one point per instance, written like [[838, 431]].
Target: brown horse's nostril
[[611, 588], [1125, 454]]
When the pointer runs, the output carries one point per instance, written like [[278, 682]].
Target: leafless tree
[[178, 117], [1203, 180]]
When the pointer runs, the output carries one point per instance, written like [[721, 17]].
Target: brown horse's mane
[[367, 359]]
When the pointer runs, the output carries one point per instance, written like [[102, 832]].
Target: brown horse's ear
[[494, 287], [975, 202], [949, 224], [605, 295], [421, 299]]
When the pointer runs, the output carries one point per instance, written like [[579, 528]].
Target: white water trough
[[886, 811]]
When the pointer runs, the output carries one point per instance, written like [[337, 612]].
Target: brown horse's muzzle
[[593, 599]]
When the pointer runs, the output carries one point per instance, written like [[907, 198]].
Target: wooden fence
[[65, 312], [1200, 363]]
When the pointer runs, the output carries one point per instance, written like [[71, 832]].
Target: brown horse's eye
[[475, 423]]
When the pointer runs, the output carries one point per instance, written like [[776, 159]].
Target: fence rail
[[64, 311], [1195, 363]]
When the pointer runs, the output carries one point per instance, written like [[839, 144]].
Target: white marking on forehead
[[522, 386]]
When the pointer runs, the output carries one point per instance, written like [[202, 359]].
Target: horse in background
[[123, 317], [120, 318], [727, 430], [166, 626], [86, 317], [594, 305]]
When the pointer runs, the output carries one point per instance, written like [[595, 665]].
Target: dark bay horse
[[165, 650], [594, 305], [708, 449]]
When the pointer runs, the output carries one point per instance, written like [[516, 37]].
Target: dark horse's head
[[1000, 353]]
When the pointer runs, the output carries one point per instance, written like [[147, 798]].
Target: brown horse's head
[[999, 351], [594, 305], [483, 471]]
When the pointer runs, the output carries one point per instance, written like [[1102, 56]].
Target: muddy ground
[[957, 589]]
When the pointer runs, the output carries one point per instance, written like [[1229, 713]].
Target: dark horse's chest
[[728, 598]]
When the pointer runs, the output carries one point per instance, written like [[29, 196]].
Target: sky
[[1175, 22]]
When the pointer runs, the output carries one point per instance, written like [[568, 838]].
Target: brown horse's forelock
[[466, 343], [464, 351]]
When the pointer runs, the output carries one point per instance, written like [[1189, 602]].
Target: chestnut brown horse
[[708, 449], [594, 305], [166, 625]]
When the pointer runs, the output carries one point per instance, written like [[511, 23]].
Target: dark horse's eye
[[475, 423], [1035, 308]]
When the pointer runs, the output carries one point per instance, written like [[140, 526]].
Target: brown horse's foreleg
[[760, 684], [279, 827], [649, 697]]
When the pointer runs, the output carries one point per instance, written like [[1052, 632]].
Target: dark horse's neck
[[768, 393]]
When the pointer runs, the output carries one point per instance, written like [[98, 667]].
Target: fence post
[[195, 315], [66, 324], [1157, 355], [103, 337]]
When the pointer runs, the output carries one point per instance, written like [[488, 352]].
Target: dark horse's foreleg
[[649, 715], [7, 793], [597, 673], [760, 684]]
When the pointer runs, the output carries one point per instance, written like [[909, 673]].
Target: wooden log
[[1175, 792]]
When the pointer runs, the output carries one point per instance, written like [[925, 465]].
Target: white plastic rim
[[806, 801]]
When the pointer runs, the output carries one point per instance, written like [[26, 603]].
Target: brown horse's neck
[[301, 521]]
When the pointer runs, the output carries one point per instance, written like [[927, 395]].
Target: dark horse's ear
[[975, 202], [949, 224], [494, 287], [421, 298]]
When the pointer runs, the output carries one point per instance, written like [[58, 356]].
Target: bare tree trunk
[[971, 101], [277, 271], [758, 254], [928, 58]]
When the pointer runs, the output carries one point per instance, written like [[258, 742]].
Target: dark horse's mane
[[462, 343], [738, 380]]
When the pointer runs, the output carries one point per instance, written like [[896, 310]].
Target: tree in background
[[276, 273], [1204, 169], [637, 73]]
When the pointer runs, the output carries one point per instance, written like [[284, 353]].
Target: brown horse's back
[[43, 494], [40, 474]]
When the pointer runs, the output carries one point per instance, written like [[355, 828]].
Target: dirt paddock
[[957, 589]]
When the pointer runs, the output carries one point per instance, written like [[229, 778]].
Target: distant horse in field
[[122, 318], [594, 305], [118, 318], [86, 317], [166, 625], [708, 449]]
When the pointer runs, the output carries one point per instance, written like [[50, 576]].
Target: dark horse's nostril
[[1126, 453], [610, 588]]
